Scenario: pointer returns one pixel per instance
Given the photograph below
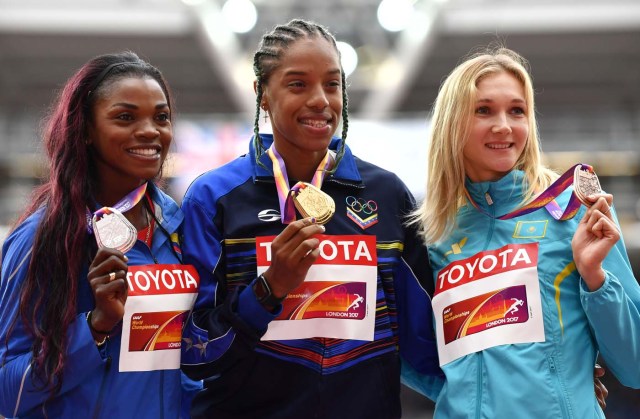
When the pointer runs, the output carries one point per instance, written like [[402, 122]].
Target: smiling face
[[303, 96], [499, 128], [131, 133]]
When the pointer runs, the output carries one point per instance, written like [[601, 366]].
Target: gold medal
[[585, 183], [113, 230], [312, 202]]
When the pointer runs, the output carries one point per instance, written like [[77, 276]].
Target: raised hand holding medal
[[597, 232]]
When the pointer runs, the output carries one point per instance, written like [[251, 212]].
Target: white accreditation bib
[[337, 298], [159, 301], [489, 299]]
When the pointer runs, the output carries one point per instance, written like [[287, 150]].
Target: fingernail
[[126, 259], [323, 229]]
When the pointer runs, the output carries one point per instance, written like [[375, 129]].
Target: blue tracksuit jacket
[[92, 385], [225, 210]]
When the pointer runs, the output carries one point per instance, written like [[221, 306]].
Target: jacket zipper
[[103, 383], [559, 388], [155, 261], [479, 365], [323, 342], [492, 220], [343, 183], [162, 395]]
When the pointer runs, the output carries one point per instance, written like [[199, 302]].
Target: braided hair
[[266, 60]]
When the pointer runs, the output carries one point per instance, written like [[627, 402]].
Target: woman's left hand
[[600, 389], [596, 234]]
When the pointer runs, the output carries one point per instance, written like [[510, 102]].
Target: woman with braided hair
[[302, 316]]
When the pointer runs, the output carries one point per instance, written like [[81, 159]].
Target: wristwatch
[[263, 292]]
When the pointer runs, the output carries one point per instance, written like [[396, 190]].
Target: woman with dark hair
[[303, 318], [69, 345]]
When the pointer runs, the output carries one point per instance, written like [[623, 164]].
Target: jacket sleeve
[[428, 385], [223, 328], [20, 390], [189, 390], [613, 311], [414, 289]]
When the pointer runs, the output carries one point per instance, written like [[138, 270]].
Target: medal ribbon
[[285, 195], [547, 199], [124, 205]]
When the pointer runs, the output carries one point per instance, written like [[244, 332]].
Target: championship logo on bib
[[158, 304], [489, 299], [337, 298]]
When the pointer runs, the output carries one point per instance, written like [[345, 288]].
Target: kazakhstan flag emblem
[[530, 229]]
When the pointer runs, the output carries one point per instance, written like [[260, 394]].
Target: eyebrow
[[132, 106], [491, 101], [303, 73]]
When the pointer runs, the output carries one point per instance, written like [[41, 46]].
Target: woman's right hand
[[594, 237], [292, 253], [107, 277]]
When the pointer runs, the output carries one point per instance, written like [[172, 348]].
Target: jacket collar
[[506, 193], [347, 170], [166, 209]]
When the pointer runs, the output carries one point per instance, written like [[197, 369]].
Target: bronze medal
[[114, 231], [312, 202], [585, 183]]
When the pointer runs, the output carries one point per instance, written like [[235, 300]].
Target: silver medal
[[114, 231]]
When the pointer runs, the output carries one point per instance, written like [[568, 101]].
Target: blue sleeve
[[189, 390], [414, 287], [224, 327], [20, 390], [427, 385], [613, 311]]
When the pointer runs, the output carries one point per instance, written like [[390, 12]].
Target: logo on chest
[[530, 229], [363, 212], [269, 215]]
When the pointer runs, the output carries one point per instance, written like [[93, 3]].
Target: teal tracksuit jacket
[[551, 377]]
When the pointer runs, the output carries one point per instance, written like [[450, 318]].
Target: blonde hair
[[450, 127]]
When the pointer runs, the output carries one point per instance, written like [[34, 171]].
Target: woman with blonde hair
[[530, 286]]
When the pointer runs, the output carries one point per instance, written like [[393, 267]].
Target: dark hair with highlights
[[267, 58], [62, 248]]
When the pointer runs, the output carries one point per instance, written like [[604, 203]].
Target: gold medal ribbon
[[285, 195]]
